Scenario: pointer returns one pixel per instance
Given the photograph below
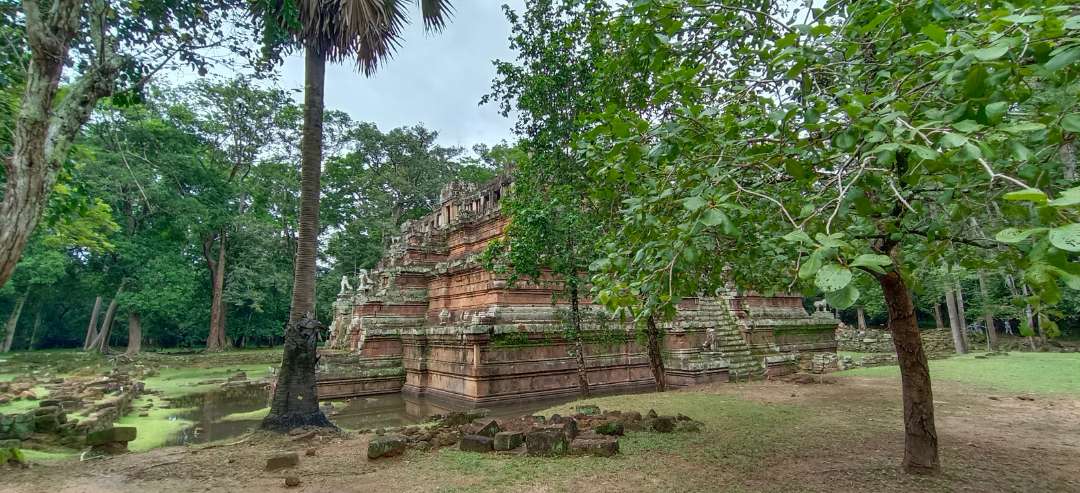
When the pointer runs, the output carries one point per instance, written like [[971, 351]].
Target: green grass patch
[[749, 432], [248, 416], [156, 428], [43, 456], [1046, 373], [24, 405], [178, 382], [855, 355]]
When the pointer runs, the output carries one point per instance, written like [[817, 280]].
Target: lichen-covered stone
[[546, 442], [509, 440], [588, 409], [598, 447], [663, 424], [489, 429], [690, 427], [476, 443], [610, 427], [387, 445], [116, 434]]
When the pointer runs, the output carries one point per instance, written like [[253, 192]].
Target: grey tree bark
[[962, 314], [101, 340], [656, 360], [13, 321], [134, 333], [954, 322], [579, 346], [861, 315], [938, 322], [988, 312], [91, 328]]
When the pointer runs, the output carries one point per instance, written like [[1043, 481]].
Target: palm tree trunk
[[295, 402], [920, 434], [13, 321]]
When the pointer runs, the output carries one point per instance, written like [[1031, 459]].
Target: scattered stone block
[[588, 409], [598, 447], [283, 460], [117, 434], [690, 427], [310, 452], [651, 414], [546, 442], [292, 481], [489, 429], [663, 424], [509, 440], [49, 403], [566, 426], [610, 427], [476, 443], [387, 445]]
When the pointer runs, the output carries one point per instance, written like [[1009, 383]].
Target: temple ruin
[[429, 319]]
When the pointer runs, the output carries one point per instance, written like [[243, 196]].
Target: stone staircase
[[728, 340]]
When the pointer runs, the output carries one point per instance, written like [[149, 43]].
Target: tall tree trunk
[[34, 331], [91, 328], [656, 360], [134, 333], [101, 341], [861, 316], [938, 322], [13, 321], [303, 295], [988, 312], [954, 322], [295, 403], [579, 346], [920, 435], [215, 341], [962, 315]]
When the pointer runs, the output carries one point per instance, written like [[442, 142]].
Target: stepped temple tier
[[429, 319]]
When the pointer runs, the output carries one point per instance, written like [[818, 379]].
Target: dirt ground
[[766, 436]]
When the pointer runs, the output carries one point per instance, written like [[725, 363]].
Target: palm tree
[[364, 31]]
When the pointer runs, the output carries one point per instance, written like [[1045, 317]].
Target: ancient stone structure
[[429, 319]]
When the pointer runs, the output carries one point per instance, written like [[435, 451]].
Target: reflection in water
[[376, 411]]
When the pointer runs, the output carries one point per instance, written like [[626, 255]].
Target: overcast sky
[[434, 79]]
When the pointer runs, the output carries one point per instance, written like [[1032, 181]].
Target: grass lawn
[[1046, 373]]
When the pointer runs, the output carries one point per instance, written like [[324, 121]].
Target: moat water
[[379, 411]]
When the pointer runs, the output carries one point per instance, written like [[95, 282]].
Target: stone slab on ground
[[600, 446], [282, 461], [387, 445], [116, 434], [509, 440], [546, 442], [476, 443]]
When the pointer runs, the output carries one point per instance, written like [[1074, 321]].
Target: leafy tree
[[113, 47], [747, 139]]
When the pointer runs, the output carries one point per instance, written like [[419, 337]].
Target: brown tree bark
[[13, 322], [295, 403], [938, 322], [579, 346], [954, 322], [134, 333], [988, 312], [91, 328], [920, 435], [656, 360], [44, 128], [861, 316], [216, 341]]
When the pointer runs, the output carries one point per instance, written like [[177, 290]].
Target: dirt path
[[845, 436]]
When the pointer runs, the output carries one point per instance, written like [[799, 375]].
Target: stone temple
[[430, 320]]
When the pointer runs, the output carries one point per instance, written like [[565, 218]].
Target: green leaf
[[832, 277], [843, 298], [1071, 122], [966, 126], [810, 266], [713, 217], [1067, 198], [1023, 127], [874, 137], [1013, 236], [694, 203], [1066, 237], [845, 141], [935, 33], [950, 140], [798, 236], [922, 151], [991, 53], [1027, 195], [1022, 19], [995, 111], [874, 262], [1063, 59]]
